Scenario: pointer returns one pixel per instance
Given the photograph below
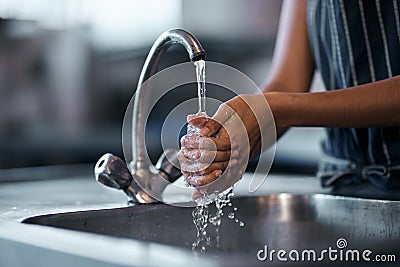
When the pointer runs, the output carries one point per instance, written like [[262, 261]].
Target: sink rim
[[282, 195], [267, 196], [270, 197]]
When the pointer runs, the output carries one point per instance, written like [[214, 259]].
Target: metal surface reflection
[[281, 221]]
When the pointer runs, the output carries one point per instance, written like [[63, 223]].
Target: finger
[[209, 178], [189, 167], [210, 143], [216, 156], [235, 154], [194, 167], [203, 180], [196, 195], [190, 141], [210, 128], [223, 133], [197, 120], [202, 155], [192, 154], [207, 156], [213, 167], [214, 124], [198, 168]]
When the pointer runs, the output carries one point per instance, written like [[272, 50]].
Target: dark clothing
[[356, 42]]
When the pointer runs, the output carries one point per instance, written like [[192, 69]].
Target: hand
[[227, 141], [203, 158]]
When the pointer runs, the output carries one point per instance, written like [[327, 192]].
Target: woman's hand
[[226, 142], [204, 157]]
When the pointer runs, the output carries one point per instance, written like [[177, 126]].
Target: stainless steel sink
[[279, 221]]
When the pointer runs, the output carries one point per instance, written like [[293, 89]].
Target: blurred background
[[68, 69]]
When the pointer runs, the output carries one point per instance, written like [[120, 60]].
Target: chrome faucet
[[140, 176]]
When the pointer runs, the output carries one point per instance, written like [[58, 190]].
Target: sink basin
[[278, 221]]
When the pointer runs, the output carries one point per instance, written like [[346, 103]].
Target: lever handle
[[112, 171]]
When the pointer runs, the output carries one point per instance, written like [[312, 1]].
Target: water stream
[[201, 84], [201, 213]]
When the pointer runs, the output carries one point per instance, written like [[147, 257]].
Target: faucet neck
[[150, 67], [165, 40], [141, 176]]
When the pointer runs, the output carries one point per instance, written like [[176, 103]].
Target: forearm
[[292, 65], [370, 105]]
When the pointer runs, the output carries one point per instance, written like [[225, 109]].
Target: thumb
[[196, 120], [213, 125], [222, 133]]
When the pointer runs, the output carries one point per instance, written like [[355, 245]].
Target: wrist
[[280, 103]]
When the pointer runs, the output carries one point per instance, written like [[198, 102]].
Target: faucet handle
[[112, 171], [168, 165]]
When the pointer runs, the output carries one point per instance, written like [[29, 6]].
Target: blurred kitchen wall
[[233, 20], [68, 68]]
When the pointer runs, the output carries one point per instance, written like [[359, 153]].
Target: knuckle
[[183, 140]]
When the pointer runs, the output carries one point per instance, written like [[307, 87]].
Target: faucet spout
[[150, 67], [145, 176], [165, 40]]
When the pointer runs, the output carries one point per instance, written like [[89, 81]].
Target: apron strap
[[335, 172]]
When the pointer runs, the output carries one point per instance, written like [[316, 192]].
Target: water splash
[[202, 218]]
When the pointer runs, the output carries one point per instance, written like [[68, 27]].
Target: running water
[[201, 93], [201, 216], [200, 66], [200, 220], [201, 84]]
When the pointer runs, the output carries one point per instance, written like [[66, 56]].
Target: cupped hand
[[226, 142], [204, 155]]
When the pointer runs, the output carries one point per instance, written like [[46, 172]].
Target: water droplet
[[234, 208], [202, 218], [241, 224], [236, 220]]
